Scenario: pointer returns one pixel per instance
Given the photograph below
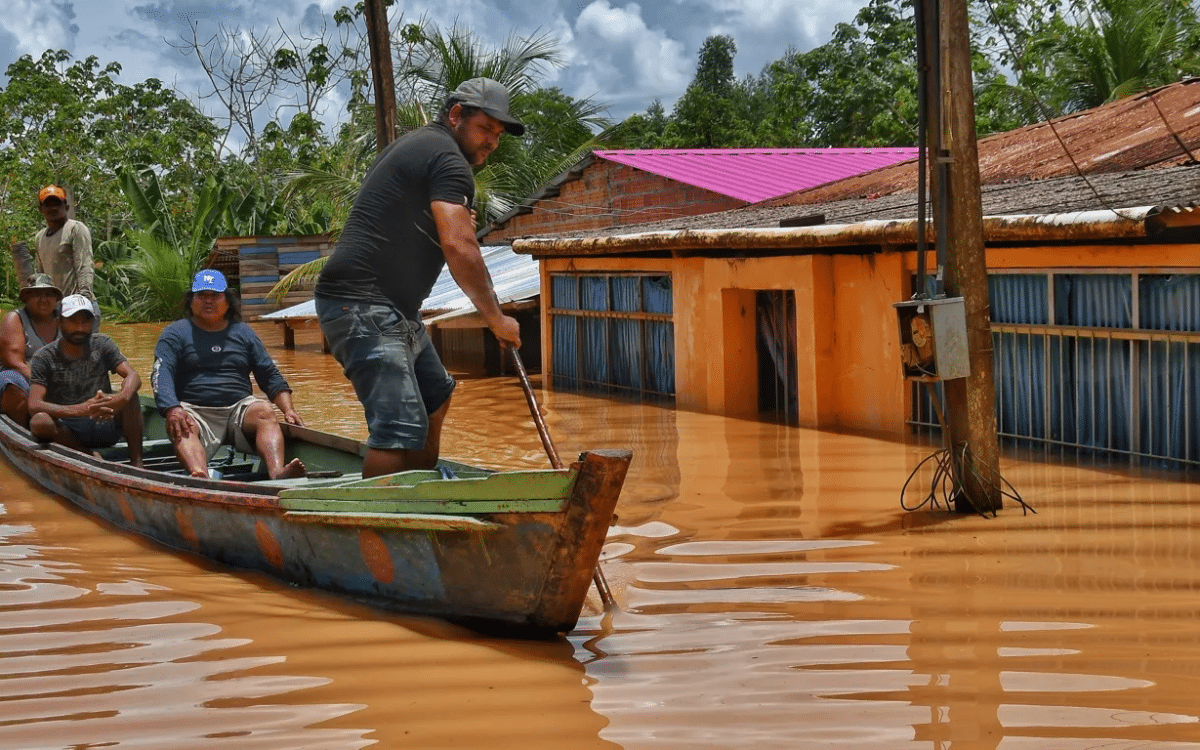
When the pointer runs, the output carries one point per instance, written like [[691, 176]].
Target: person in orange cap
[[64, 246]]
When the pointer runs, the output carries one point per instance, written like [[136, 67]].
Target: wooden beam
[[378, 39], [970, 401]]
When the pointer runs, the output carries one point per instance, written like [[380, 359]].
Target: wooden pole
[[380, 45], [598, 574], [970, 401]]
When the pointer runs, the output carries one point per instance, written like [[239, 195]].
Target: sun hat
[[209, 280], [40, 281], [76, 303], [491, 97], [51, 191]]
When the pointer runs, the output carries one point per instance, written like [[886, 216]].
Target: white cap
[[74, 303]]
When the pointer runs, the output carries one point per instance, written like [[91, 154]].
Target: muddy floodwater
[[770, 591]]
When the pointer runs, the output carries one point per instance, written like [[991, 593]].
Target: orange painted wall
[[848, 359]]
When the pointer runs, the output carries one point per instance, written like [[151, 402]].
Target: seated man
[[201, 379], [65, 374], [22, 332]]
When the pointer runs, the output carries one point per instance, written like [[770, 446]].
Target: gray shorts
[[222, 425]]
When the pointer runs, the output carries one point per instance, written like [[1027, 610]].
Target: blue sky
[[623, 54]]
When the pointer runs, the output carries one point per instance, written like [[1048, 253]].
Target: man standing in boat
[[22, 332], [70, 397], [201, 381], [412, 216], [63, 248]]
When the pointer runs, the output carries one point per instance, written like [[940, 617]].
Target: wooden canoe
[[501, 551]]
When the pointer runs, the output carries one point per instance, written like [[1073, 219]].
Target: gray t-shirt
[[73, 381], [389, 251]]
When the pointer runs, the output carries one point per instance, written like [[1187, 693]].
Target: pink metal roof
[[753, 174]]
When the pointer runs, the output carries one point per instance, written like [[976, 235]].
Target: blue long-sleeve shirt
[[211, 368]]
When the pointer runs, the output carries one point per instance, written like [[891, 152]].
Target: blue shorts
[[395, 371], [12, 377], [92, 433]]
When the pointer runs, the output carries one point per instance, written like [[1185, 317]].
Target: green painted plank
[[410, 478], [388, 505], [415, 522], [517, 485]]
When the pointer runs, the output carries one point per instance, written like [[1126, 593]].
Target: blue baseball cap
[[209, 280]]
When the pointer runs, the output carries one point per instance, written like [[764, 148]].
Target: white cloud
[[627, 60], [36, 26], [620, 53]]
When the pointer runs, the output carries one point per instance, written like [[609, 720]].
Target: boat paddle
[[598, 574]]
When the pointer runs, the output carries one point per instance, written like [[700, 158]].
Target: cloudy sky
[[623, 54]]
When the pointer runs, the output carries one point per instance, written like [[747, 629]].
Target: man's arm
[[81, 258], [12, 344], [283, 400], [38, 404], [456, 232], [130, 383], [167, 353]]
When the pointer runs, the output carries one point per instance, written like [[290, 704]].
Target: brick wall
[[611, 195]]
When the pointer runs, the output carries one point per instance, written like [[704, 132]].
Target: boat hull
[[520, 573]]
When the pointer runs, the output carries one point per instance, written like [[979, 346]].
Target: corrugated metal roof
[[514, 277], [1175, 190], [1152, 130], [754, 175]]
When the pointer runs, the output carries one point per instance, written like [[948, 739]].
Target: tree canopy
[[1032, 59]]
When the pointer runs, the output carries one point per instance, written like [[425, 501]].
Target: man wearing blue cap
[[201, 381], [411, 218]]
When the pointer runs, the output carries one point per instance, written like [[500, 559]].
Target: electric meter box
[[933, 338]]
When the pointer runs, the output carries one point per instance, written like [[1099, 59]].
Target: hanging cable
[[1045, 110]]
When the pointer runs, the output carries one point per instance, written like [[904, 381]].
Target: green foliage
[[432, 63], [859, 88], [162, 277], [152, 271], [72, 124]]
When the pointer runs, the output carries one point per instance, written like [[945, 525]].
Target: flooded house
[[783, 310]]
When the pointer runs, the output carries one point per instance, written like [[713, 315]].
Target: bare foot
[[292, 470]]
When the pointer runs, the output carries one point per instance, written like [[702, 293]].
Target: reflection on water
[[770, 593]]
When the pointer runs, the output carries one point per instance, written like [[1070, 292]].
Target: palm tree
[[1122, 47], [165, 253], [560, 130]]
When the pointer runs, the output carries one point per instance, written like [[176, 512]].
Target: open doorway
[[775, 342]]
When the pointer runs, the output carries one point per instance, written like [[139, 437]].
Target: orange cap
[[51, 191]]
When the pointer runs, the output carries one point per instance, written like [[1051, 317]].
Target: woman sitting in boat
[[22, 332], [201, 380]]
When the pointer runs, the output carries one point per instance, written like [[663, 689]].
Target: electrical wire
[[1046, 113], [947, 482], [946, 486]]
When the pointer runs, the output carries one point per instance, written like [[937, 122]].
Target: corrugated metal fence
[[1105, 364]]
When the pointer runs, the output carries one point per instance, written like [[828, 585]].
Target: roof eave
[[1075, 226]]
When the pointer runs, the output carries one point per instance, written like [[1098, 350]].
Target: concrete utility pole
[[379, 42], [970, 401]]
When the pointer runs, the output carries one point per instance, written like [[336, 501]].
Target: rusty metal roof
[[1151, 130]]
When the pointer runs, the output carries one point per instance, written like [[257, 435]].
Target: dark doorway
[[775, 342]]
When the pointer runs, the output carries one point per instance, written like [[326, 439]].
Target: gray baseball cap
[[491, 97]]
